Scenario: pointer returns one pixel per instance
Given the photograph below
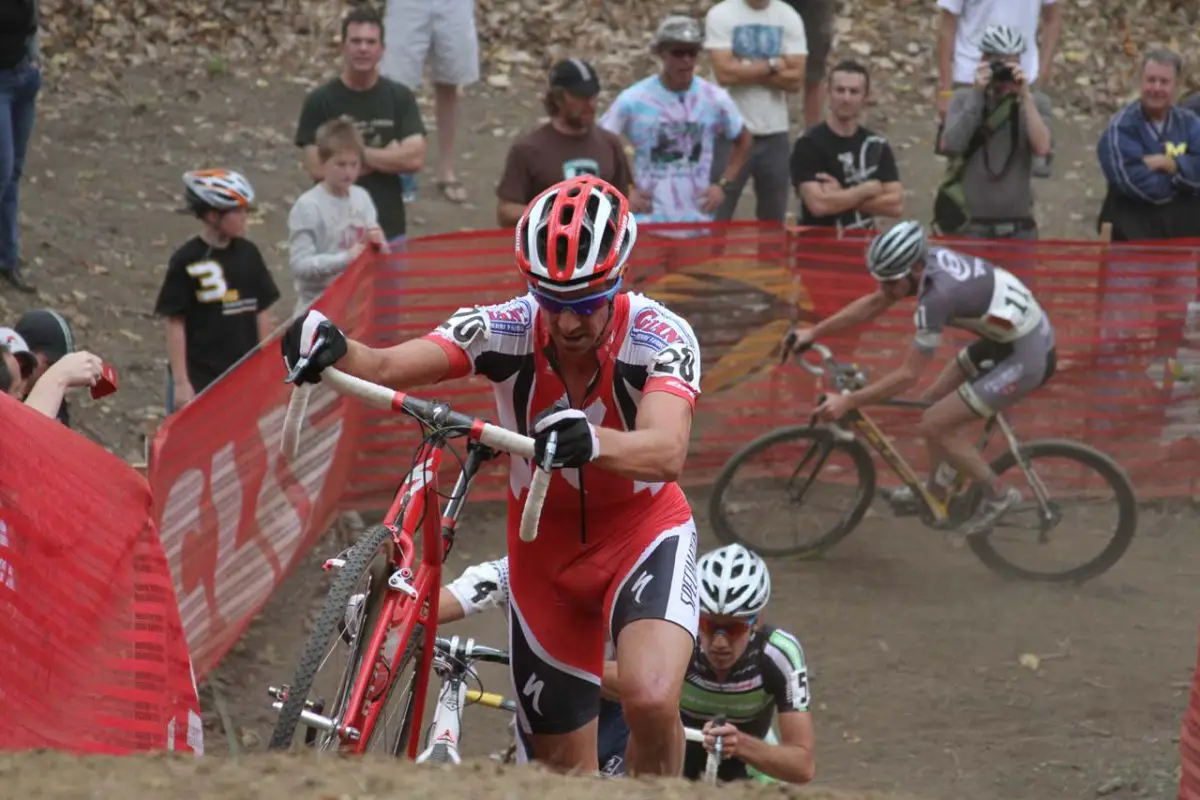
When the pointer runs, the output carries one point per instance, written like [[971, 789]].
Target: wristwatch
[[725, 183], [773, 65]]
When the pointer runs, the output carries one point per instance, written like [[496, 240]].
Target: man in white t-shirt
[[962, 25], [759, 53]]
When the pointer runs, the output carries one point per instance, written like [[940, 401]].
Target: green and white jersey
[[770, 676]]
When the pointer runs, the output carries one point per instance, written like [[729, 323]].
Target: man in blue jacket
[[1150, 154]]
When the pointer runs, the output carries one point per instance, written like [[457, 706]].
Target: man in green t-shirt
[[384, 111]]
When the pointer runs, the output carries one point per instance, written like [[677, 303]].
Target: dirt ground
[[913, 645]]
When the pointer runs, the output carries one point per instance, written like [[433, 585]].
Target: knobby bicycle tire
[[367, 554], [1098, 462], [863, 465]]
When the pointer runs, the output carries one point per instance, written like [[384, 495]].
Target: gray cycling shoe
[[989, 513], [903, 501]]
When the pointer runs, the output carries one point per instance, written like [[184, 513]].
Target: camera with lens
[[1002, 72]]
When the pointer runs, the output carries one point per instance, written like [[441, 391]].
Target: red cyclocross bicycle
[[379, 620]]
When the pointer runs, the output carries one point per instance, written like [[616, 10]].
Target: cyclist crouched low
[[752, 673], [1013, 355]]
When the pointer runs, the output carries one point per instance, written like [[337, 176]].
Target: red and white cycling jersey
[[649, 349], [613, 552]]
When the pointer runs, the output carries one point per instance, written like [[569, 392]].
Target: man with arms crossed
[[1014, 355], [615, 376], [758, 53], [844, 173]]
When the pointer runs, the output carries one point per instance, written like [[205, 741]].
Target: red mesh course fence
[[92, 653], [235, 515]]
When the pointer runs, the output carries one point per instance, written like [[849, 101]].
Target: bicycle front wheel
[[1088, 524], [792, 492], [334, 655]]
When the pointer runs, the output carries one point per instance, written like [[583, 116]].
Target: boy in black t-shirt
[[845, 174], [217, 289]]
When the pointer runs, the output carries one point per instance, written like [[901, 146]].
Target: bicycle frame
[[848, 377], [453, 665], [411, 595]]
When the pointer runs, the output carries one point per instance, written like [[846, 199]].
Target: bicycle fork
[[445, 730]]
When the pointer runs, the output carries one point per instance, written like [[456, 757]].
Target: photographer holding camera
[[994, 131]]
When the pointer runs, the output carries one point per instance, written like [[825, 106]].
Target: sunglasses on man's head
[[583, 306], [732, 628]]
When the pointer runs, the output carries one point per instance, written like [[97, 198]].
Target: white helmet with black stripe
[[894, 253], [734, 582], [217, 189], [1002, 40]]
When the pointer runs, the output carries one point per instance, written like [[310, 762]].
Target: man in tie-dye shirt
[[673, 120]]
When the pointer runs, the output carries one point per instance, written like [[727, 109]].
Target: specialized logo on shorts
[[612, 766], [512, 320], [640, 585], [533, 690], [687, 588]]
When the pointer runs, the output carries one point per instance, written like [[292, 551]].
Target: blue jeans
[[19, 87]]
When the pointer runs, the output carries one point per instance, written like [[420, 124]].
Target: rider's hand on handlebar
[[729, 738], [298, 348], [577, 441], [832, 407], [797, 340]]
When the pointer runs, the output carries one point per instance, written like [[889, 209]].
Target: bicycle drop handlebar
[[436, 415]]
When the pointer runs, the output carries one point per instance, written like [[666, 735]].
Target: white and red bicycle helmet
[[577, 234], [219, 189]]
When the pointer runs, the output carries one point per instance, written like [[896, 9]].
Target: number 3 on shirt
[[213, 287]]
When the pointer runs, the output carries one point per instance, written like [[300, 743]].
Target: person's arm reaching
[[857, 312], [792, 759], [80, 368], [964, 118]]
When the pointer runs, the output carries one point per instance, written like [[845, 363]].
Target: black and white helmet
[[734, 582], [1002, 40], [219, 189], [893, 254]]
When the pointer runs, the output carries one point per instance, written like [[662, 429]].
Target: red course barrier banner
[[1189, 744], [235, 515], [92, 653]]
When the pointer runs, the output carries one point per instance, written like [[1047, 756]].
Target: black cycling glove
[[577, 442], [297, 343]]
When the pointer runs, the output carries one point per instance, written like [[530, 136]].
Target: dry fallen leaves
[[1094, 71]]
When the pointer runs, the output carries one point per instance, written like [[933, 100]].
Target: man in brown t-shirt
[[570, 144]]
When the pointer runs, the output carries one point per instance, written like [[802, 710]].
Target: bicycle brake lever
[[303, 362], [551, 448]]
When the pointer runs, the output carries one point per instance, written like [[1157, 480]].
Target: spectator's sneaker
[[903, 501], [989, 513], [16, 280]]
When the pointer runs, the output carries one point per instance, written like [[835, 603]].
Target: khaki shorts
[[818, 16], [441, 30]]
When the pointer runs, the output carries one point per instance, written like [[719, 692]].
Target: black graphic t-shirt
[[218, 293], [852, 160], [385, 113]]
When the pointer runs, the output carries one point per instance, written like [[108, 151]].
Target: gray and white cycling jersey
[[963, 291]]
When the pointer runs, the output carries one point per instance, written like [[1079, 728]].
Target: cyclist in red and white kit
[[616, 375]]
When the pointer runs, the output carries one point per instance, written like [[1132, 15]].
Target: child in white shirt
[[333, 222]]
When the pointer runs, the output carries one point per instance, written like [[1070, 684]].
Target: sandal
[[453, 190]]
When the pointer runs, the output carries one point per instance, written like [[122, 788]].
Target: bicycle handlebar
[[821, 350], [436, 415], [469, 651]]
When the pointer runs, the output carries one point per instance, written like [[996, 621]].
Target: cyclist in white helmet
[[1013, 355], [752, 673]]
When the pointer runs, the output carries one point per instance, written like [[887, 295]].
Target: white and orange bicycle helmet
[[576, 235], [217, 189]]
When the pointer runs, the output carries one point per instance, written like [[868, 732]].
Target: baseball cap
[[576, 76], [678, 29], [46, 332], [20, 350]]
